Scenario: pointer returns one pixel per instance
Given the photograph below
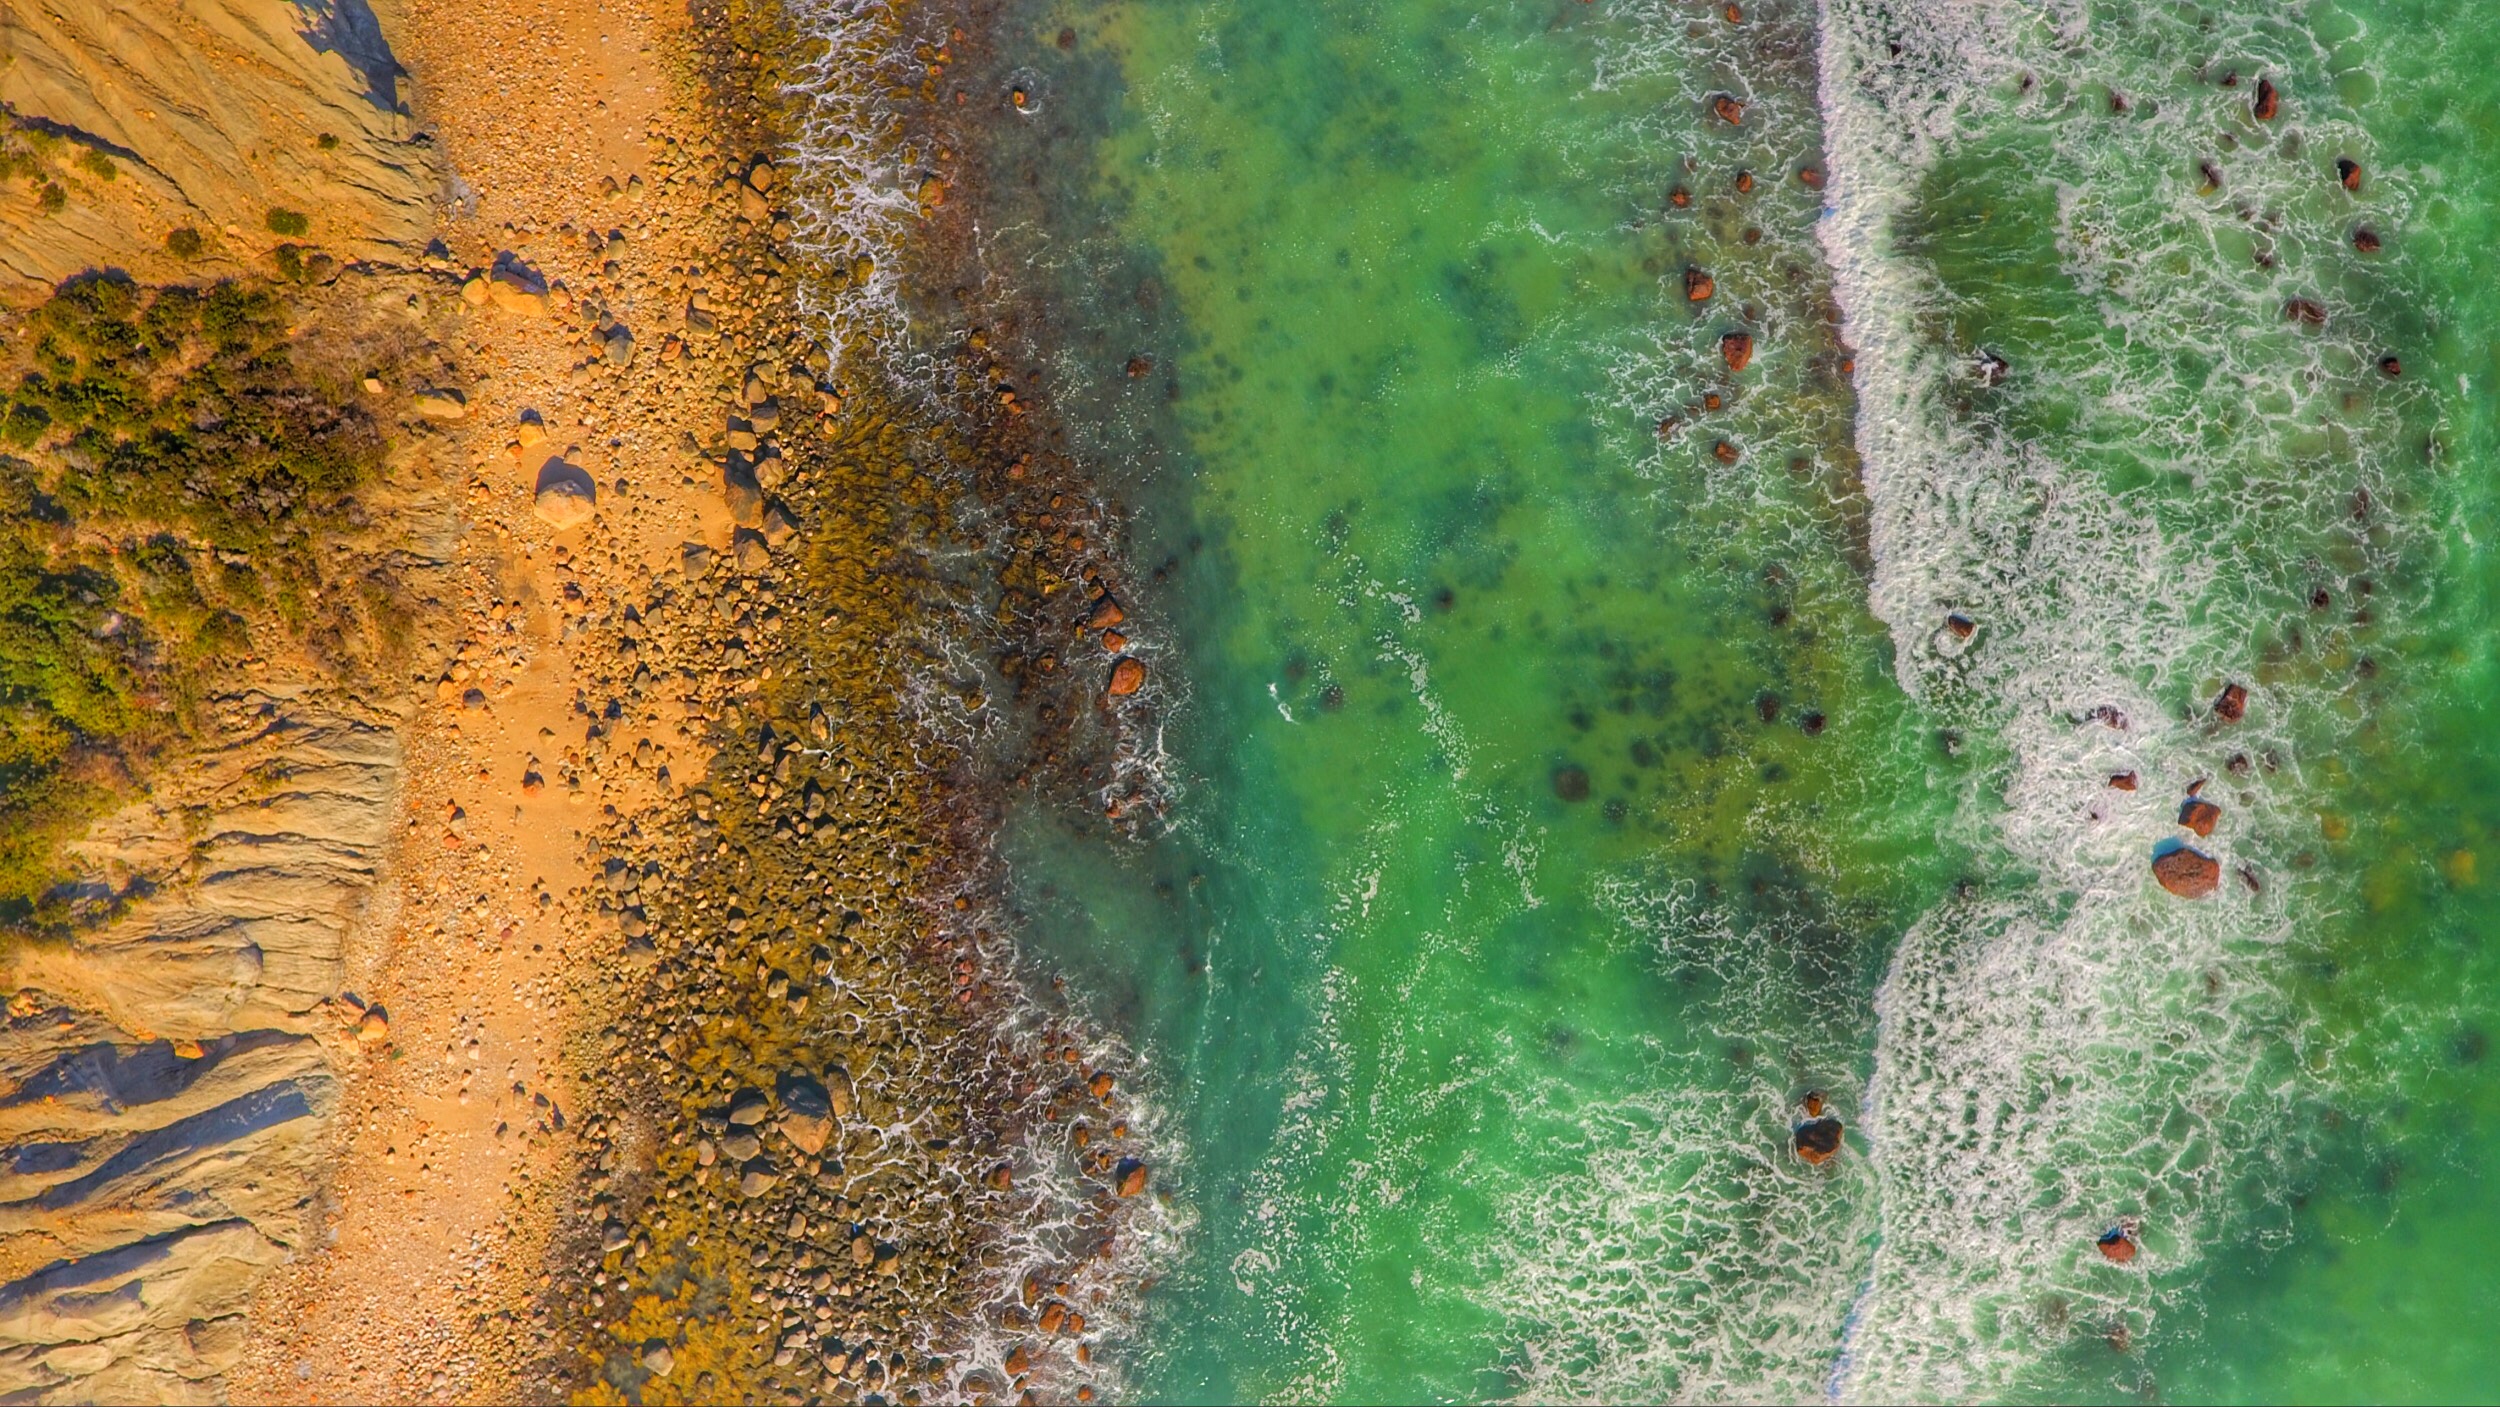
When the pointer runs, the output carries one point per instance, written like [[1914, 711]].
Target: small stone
[[618, 345], [2199, 815], [749, 1108], [1127, 677], [705, 1153], [753, 205], [1727, 109], [779, 527], [757, 1178], [1962, 626], [1001, 1178], [2117, 1245], [442, 403], [657, 1358], [2232, 704], [741, 1145], [2348, 173], [566, 495], [761, 175], [2122, 781], [373, 1028], [2365, 240], [2188, 873], [1737, 348], [517, 288], [474, 292], [741, 494], [533, 431], [1698, 286], [748, 549], [1129, 1177], [189, 1050], [2268, 102]]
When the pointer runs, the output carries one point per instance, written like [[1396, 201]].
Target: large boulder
[[2187, 872]]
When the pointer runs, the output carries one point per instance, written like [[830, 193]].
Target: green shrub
[[50, 198], [181, 475], [288, 224], [184, 243], [327, 141], [98, 165]]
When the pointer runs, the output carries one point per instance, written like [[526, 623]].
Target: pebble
[[442, 403]]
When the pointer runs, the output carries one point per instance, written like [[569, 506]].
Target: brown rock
[[1737, 347], [2122, 781], [566, 495], [1962, 626], [1131, 1177], [2268, 101], [2117, 1245], [1810, 177], [2365, 240], [1724, 452], [2308, 312], [1698, 286], [1107, 613], [2199, 815], [2232, 704], [1727, 109], [2348, 172], [2188, 873], [1817, 1140], [1127, 677]]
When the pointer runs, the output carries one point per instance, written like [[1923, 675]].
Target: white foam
[[2065, 1044]]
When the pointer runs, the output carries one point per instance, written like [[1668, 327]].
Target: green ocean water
[[1554, 801]]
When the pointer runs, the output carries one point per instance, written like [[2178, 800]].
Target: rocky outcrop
[[223, 117], [165, 1078]]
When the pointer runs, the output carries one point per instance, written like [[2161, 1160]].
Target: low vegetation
[[172, 474]]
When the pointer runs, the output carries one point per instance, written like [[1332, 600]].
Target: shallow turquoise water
[[1556, 801]]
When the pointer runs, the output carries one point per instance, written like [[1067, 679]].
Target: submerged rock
[[1698, 285], [2268, 102], [1571, 783], [2231, 705], [2187, 872], [1817, 1140]]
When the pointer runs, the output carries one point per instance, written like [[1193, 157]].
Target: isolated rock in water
[[1127, 677], [2117, 1245], [2199, 815], [2122, 781], [1817, 1140], [1727, 109], [2348, 173], [806, 1114], [2231, 705], [567, 495], [1737, 347], [2365, 240], [1131, 1175], [2268, 101], [442, 403], [2188, 873], [1698, 285]]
